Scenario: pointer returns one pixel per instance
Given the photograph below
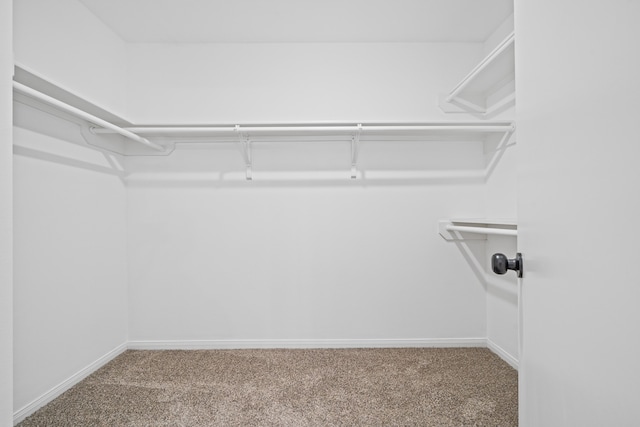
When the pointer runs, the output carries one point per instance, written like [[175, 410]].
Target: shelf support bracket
[[467, 105], [508, 41], [499, 152], [355, 141], [245, 146]]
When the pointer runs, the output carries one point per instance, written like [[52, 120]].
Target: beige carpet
[[346, 387]]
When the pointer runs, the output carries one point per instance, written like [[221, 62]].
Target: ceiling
[[301, 21]]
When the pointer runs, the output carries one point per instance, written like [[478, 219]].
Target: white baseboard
[[335, 343], [503, 354], [56, 391]]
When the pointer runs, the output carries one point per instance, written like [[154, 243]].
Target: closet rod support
[[355, 140], [245, 145]]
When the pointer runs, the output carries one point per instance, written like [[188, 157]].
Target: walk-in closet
[[319, 213]]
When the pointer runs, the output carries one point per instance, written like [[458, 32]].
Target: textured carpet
[[345, 387]]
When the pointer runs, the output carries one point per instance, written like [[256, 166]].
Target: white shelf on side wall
[[477, 228], [489, 87]]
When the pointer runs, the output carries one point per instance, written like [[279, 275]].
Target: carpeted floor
[[345, 387]]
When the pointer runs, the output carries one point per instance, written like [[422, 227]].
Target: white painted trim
[[56, 391], [503, 354], [293, 343]]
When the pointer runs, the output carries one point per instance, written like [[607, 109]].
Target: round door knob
[[500, 264]]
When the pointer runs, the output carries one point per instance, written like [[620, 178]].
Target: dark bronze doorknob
[[500, 264]]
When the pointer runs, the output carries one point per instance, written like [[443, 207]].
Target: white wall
[[501, 202], [70, 298], [502, 301], [502, 291], [6, 221], [498, 35], [65, 43], [577, 66], [234, 82], [213, 257], [263, 82]]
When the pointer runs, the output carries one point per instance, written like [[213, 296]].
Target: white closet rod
[[26, 90], [481, 66], [482, 230], [311, 128]]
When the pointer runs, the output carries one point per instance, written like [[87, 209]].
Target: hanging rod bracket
[[355, 141], [245, 146]]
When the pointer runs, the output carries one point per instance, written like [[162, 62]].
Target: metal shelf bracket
[[245, 146], [355, 141]]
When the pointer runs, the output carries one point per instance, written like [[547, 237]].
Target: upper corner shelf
[[474, 228], [489, 79]]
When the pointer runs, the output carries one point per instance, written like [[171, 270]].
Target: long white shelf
[[500, 222], [467, 130], [353, 133], [334, 128], [162, 139], [476, 229], [26, 90], [491, 74]]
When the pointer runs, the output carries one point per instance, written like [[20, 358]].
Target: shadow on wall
[[112, 169], [473, 254], [317, 163]]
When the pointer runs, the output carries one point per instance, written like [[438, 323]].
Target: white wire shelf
[[491, 74], [476, 229], [162, 139]]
